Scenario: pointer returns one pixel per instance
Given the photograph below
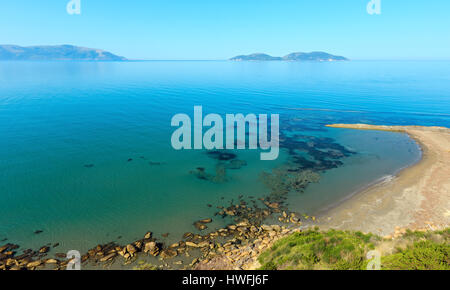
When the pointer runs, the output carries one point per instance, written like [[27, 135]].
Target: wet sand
[[418, 198]]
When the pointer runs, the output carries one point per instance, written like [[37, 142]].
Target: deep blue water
[[69, 129]]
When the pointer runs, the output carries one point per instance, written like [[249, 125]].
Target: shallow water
[[69, 129]]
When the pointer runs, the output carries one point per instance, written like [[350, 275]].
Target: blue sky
[[219, 29]]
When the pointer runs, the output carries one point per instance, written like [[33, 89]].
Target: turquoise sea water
[[85, 152]]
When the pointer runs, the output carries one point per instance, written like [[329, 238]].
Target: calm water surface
[[85, 151]]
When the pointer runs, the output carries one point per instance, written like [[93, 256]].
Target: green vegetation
[[142, 265], [425, 251], [347, 250]]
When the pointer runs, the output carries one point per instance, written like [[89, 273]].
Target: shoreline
[[416, 198], [378, 182]]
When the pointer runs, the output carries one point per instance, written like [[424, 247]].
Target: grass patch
[[347, 250], [422, 255]]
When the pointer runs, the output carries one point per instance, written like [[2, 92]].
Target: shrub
[[313, 249], [347, 250], [422, 255]]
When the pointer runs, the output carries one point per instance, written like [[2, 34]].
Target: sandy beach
[[418, 198]]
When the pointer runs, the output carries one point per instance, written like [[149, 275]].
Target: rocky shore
[[234, 247]]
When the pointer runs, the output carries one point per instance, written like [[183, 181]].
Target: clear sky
[[219, 29]]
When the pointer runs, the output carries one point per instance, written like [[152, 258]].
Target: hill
[[56, 52], [295, 56]]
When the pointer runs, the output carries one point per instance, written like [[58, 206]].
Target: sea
[[86, 154]]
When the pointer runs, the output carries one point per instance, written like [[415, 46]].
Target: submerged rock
[[236, 164], [44, 249], [219, 177], [131, 249], [152, 248], [34, 264], [200, 173], [51, 261], [283, 180], [273, 205], [191, 244], [188, 235], [108, 257], [168, 253], [200, 226], [222, 156], [8, 247]]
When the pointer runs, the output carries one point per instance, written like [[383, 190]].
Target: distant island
[[255, 56], [56, 52], [296, 56]]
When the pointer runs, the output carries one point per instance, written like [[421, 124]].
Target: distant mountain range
[[56, 52], [296, 56]]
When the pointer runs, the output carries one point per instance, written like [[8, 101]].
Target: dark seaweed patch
[[235, 164], [221, 156], [218, 177], [324, 152]]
